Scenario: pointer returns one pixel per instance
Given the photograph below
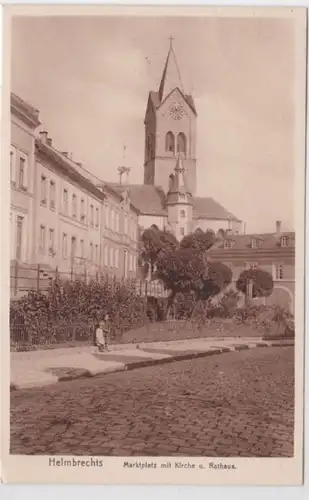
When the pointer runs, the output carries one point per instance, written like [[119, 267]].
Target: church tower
[[179, 202], [170, 129]]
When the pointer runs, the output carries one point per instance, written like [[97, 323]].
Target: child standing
[[100, 337]]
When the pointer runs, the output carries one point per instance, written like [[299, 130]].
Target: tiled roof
[[149, 200], [208, 208], [265, 241]]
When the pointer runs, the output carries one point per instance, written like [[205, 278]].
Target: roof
[[171, 78], [266, 241], [208, 208], [25, 111], [156, 102], [148, 199]]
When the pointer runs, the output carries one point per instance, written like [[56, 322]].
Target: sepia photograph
[[155, 237]]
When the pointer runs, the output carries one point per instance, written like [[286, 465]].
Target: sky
[[90, 78]]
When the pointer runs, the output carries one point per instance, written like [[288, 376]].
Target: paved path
[[236, 404], [40, 368]]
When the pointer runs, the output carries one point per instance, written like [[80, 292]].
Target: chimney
[[49, 141], [278, 228], [43, 136], [79, 164], [65, 153]]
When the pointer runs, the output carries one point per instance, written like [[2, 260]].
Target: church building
[[168, 196]]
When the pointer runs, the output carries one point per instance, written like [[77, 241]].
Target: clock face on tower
[[176, 111]]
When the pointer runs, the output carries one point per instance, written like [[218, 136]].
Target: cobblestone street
[[234, 404]]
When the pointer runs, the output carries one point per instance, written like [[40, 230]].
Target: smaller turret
[[179, 202]]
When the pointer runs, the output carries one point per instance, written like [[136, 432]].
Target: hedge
[[78, 303]]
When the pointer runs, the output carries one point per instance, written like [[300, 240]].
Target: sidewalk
[[40, 368]]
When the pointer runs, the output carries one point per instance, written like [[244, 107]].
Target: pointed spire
[[178, 191], [171, 75]]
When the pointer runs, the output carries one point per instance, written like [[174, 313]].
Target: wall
[[165, 162], [22, 141]]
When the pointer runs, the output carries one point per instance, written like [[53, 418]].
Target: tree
[[153, 242], [199, 240], [262, 282], [181, 270], [218, 277]]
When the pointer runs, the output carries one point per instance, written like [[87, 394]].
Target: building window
[[97, 217], [91, 252], [22, 173], [279, 271], [284, 241], [134, 262], [51, 244], [82, 210], [117, 221], [182, 214], [106, 215], [13, 165], [52, 195], [117, 258], [181, 143], [97, 254], [125, 224], [74, 205], [182, 231], [228, 243], [42, 239], [170, 142], [106, 255], [65, 201], [255, 243], [91, 215], [43, 190], [73, 249], [111, 216], [64, 245], [19, 236], [82, 249], [111, 257]]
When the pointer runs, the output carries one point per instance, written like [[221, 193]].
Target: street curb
[[151, 362]]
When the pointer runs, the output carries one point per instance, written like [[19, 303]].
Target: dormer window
[[284, 241], [255, 243], [228, 243]]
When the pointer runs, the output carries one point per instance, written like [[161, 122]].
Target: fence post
[[38, 279], [16, 278]]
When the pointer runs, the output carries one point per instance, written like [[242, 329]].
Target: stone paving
[[235, 404]]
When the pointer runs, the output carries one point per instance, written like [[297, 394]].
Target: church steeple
[[178, 190], [171, 78]]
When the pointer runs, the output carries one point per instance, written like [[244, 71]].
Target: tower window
[[170, 142], [181, 143], [182, 231], [182, 214]]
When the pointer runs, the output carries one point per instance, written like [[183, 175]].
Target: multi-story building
[[63, 217], [24, 123], [272, 252]]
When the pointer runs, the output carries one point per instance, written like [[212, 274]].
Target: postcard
[[152, 270]]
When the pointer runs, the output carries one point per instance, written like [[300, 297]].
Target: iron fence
[[37, 277]]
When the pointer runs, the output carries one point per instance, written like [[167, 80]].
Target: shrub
[[271, 321], [76, 303]]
